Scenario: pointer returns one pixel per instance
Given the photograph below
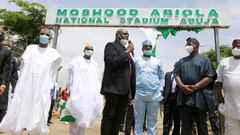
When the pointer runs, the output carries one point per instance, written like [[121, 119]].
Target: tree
[[225, 51], [24, 24]]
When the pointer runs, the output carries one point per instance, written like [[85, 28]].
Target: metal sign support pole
[[217, 44], [56, 29]]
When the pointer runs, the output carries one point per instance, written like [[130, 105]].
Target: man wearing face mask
[[31, 101], [194, 77], [228, 72], [5, 59], [85, 103], [149, 85], [118, 85]]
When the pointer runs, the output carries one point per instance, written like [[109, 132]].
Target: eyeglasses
[[147, 46], [88, 49], [44, 34]]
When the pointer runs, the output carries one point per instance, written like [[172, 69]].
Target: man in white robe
[[31, 102], [228, 79], [85, 103]]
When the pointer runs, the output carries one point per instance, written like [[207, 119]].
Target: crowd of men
[[131, 86]]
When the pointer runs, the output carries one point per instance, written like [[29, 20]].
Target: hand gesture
[[2, 89], [130, 102], [130, 47], [187, 89]]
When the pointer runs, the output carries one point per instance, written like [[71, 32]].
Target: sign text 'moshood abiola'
[[138, 17]]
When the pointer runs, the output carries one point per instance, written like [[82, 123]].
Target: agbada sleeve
[[24, 58], [220, 72], [70, 75]]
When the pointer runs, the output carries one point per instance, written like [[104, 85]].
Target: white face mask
[[88, 52], [124, 42], [189, 49], [236, 51]]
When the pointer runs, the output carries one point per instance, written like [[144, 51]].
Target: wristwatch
[[196, 86]]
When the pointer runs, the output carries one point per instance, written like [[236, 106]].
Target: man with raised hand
[[118, 85]]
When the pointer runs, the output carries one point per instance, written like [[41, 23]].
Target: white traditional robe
[[31, 102], [229, 74], [85, 102]]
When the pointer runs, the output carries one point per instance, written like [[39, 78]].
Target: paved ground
[[61, 128]]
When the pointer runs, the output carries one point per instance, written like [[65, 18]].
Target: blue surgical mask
[[1, 37], [43, 39], [147, 52]]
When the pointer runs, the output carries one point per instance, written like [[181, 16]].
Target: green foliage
[[165, 31], [225, 51], [26, 23]]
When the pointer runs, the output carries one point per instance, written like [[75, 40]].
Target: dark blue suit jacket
[[119, 73], [5, 61], [168, 85]]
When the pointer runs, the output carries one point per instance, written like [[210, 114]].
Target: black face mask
[[1, 37]]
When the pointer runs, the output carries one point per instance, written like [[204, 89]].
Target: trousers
[[151, 109]]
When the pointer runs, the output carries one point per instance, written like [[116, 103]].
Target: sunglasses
[[44, 34]]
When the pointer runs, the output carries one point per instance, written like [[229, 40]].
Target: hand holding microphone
[[130, 48]]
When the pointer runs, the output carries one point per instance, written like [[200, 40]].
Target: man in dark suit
[[5, 60], [170, 112], [119, 81], [13, 70], [195, 77], [13, 67]]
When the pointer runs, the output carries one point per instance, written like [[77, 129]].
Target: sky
[[71, 40]]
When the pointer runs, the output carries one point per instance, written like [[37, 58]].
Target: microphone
[[130, 42]]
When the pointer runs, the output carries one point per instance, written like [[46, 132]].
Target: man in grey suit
[[5, 60]]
